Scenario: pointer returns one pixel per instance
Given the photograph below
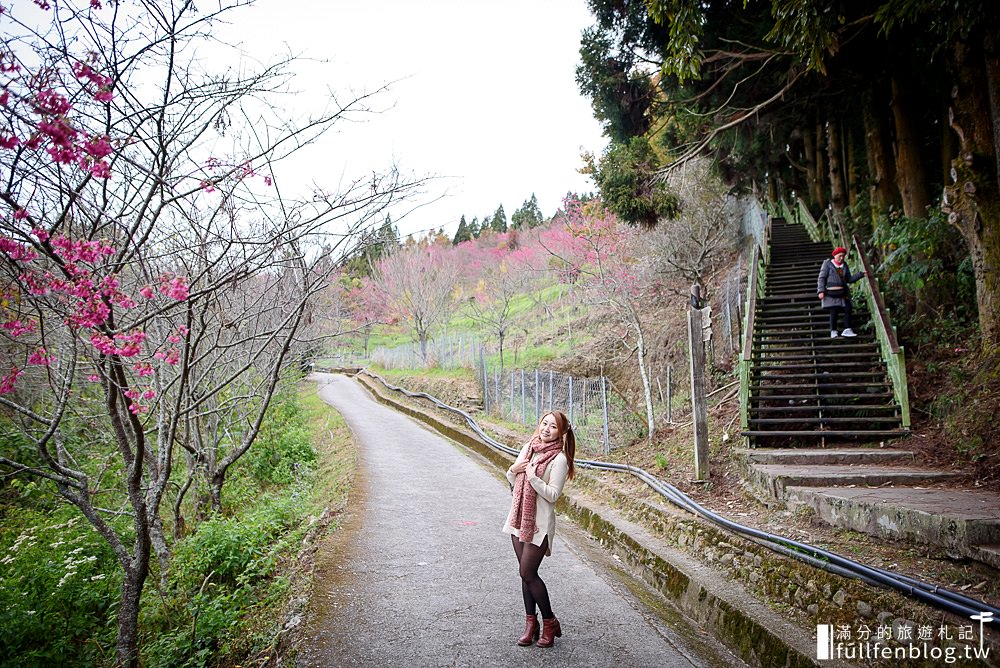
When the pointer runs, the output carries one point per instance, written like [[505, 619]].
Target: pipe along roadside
[[933, 595]]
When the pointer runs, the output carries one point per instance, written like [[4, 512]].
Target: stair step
[[841, 348], [825, 386], [808, 367], [832, 433], [818, 375], [814, 397], [823, 420], [824, 456], [812, 406]]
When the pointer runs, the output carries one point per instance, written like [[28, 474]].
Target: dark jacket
[[833, 282]]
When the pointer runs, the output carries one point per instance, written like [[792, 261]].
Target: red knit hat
[[838, 250]]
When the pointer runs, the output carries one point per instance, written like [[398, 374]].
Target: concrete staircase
[[881, 493], [805, 387]]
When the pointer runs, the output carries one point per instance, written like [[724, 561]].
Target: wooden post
[[697, 349]]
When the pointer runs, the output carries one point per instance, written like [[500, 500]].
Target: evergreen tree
[[528, 216], [474, 228], [462, 233], [499, 221]]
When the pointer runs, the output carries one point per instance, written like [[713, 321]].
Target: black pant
[[835, 311]]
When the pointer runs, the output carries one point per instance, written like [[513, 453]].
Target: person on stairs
[[537, 478], [832, 287]]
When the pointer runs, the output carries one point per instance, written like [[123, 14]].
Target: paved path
[[421, 575]]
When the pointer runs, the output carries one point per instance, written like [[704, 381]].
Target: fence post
[[486, 388], [604, 402], [571, 399], [538, 400], [697, 354], [511, 395], [524, 418], [550, 390], [670, 417]]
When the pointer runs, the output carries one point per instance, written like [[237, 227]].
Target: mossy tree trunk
[[972, 200]]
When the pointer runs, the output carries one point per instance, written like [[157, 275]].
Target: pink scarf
[[522, 510]]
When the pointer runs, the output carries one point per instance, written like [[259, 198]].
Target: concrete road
[[421, 575]]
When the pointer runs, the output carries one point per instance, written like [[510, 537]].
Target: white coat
[[549, 487]]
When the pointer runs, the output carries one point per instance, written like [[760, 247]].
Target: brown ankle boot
[[550, 631], [530, 631]]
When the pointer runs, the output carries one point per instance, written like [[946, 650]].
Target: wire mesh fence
[[446, 352], [601, 419]]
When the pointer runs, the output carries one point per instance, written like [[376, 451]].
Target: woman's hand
[[820, 295], [523, 466]]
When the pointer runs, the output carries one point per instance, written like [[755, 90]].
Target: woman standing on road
[[537, 477]]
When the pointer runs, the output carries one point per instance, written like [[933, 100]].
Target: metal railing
[[755, 290], [892, 352]]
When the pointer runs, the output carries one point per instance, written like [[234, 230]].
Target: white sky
[[485, 95]]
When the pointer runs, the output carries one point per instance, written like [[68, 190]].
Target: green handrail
[[892, 353], [806, 220], [755, 290]]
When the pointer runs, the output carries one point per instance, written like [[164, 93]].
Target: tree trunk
[[879, 152], [127, 647], [820, 193], [812, 178], [838, 192], [911, 178], [647, 392], [972, 201], [851, 168]]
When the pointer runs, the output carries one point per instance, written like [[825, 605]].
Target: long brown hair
[[568, 438]]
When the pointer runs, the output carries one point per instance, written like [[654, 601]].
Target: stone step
[[776, 478], [824, 456], [966, 523], [988, 554]]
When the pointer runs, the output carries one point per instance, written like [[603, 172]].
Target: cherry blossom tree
[[155, 278], [418, 282], [603, 254]]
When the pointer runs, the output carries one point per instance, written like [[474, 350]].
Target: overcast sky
[[484, 95]]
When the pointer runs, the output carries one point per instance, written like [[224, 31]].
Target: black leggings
[[835, 310], [533, 591]]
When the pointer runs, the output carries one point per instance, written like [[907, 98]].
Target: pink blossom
[[267, 180], [103, 344], [182, 330], [43, 4], [17, 328], [17, 251], [4, 97], [143, 369], [41, 357], [98, 147], [146, 291], [148, 394], [137, 409], [8, 141], [208, 186], [103, 95], [93, 378], [132, 394], [175, 288], [8, 382], [40, 233], [20, 214], [95, 4]]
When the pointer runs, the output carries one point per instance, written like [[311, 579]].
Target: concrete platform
[[965, 523], [776, 478]]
